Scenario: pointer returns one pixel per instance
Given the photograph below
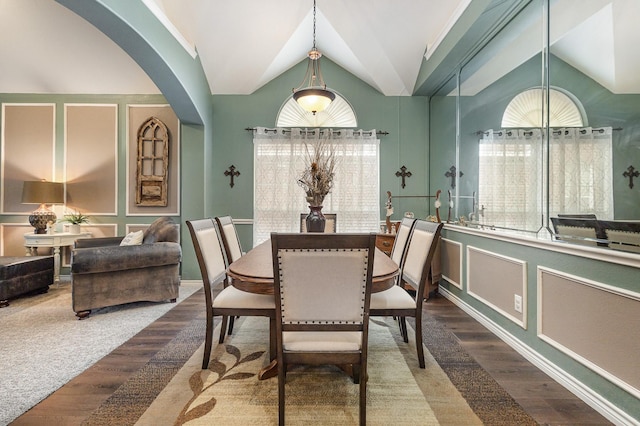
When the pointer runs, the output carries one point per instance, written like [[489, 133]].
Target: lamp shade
[[42, 192]]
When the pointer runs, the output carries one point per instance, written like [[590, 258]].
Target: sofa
[[105, 273], [24, 274]]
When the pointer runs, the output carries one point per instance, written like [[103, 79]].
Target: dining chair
[[399, 248], [323, 290], [397, 301], [329, 224], [230, 301], [231, 244], [398, 252]]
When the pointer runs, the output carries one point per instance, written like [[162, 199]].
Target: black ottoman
[[24, 274]]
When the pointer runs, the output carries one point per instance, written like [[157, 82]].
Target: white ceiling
[[243, 44]]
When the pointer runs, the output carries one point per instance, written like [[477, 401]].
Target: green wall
[[404, 118]]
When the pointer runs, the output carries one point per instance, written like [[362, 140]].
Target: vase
[[74, 228], [315, 219]]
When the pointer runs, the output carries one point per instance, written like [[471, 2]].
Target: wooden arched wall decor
[[153, 163]]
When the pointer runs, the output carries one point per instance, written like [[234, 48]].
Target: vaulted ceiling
[[244, 44]]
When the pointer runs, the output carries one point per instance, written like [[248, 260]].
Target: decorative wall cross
[[631, 173], [404, 174], [452, 174], [231, 173]]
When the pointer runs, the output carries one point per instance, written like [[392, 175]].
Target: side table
[[61, 239], [384, 242]]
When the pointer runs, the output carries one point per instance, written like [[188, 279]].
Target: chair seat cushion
[[321, 341], [231, 297], [394, 298]]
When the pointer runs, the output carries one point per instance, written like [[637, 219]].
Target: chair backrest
[[230, 240], [578, 216], [209, 252], [420, 250], [399, 248], [322, 281], [329, 224], [577, 235], [624, 240]]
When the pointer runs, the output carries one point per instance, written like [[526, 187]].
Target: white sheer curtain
[[510, 178], [581, 178], [279, 161]]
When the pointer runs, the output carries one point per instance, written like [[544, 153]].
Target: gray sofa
[[103, 273], [24, 274]]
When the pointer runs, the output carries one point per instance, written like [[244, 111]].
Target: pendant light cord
[[314, 24]]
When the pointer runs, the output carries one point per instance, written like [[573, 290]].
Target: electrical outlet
[[517, 303]]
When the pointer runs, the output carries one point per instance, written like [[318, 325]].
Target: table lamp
[[42, 193]]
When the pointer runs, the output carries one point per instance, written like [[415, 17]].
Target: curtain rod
[[313, 132], [555, 132]]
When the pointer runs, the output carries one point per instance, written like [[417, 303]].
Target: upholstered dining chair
[[230, 301], [396, 301], [329, 224], [231, 244], [323, 289], [402, 238]]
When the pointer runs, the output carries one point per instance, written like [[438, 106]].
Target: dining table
[[253, 273]]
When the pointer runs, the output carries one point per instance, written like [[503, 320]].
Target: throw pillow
[[132, 239]]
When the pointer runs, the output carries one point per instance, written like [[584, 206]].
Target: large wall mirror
[[549, 132]]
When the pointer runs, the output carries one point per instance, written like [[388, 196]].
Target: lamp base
[[39, 220]]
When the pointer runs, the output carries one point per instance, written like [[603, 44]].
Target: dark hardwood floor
[[544, 399]]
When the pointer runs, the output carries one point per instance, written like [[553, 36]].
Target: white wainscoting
[[496, 280], [593, 323]]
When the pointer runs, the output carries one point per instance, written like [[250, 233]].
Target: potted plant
[[74, 219]]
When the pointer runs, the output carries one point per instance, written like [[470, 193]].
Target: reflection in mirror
[[502, 185], [593, 55], [513, 178]]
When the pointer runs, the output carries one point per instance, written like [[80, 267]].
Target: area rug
[[229, 392], [43, 345]]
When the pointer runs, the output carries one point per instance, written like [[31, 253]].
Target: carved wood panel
[[153, 163]]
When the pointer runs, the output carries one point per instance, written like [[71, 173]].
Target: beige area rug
[[43, 345], [229, 392]]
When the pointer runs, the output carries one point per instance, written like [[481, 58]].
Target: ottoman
[[24, 274]]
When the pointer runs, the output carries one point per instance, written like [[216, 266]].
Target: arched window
[[525, 110]]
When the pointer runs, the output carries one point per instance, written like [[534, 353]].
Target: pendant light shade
[[312, 95], [314, 100]]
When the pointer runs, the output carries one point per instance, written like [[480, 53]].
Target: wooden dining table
[[253, 273]]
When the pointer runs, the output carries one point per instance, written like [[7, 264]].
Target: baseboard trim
[[586, 394]]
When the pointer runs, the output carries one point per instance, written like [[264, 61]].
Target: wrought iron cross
[[452, 174], [404, 174], [231, 173], [631, 173]]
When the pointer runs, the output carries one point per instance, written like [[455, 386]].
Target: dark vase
[[315, 219]]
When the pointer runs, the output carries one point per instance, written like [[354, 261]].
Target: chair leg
[[223, 329], [419, 339], [207, 343], [403, 329], [231, 318], [363, 394], [282, 369], [356, 371]]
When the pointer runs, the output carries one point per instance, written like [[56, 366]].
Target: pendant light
[[312, 94]]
